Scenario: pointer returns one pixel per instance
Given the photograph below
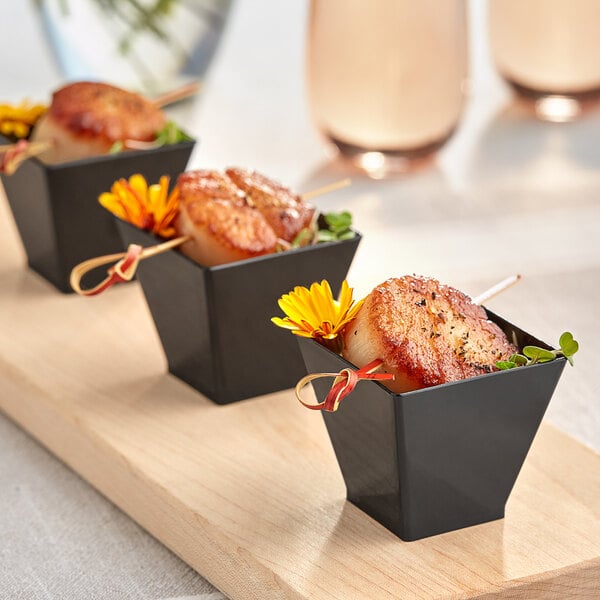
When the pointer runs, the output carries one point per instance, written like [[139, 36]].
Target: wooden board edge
[[581, 581]]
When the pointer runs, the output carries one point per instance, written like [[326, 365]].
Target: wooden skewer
[[184, 91], [138, 145], [332, 187], [497, 289], [7, 147], [151, 251]]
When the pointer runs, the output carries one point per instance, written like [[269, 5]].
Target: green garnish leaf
[[171, 134], [504, 365], [533, 354], [339, 221], [537, 354], [324, 235], [338, 227], [116, 147], [568, 345], [303, 238], [518, 359]]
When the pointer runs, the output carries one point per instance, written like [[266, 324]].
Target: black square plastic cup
[[56, 207], [440, 458], [215, 322]]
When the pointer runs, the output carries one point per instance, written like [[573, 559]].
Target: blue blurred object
[[148, 48]]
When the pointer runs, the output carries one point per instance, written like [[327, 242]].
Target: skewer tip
[[497, 289]]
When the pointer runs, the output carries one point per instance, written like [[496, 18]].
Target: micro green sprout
[[533, 354], [337, 228]]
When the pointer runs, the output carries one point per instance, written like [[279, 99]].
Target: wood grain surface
[[250, 494]]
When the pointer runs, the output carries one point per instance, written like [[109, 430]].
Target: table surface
[[508, 193]]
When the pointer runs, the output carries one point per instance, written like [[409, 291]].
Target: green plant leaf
[[504, 365], [324, 235], [568, 345], [537, 354], [116, 147], [533, 354], [518, 359], [304, 236], [171, 134], [338, 221], [338, 227]]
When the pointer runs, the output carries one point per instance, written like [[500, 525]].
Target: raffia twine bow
[[123, 270], [13, 155], [344, 383]]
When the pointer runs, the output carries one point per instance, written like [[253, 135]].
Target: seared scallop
[[87, 118], [426, 334], [221, 227], [206, 185], [285, 211]]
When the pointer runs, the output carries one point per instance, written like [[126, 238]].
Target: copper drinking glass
[[547, 50], [386, 79]]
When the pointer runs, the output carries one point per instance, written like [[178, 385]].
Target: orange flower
[[147, 207]]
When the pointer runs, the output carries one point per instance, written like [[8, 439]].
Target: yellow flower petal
[[297, 306], [138, 185], [302, 333], [313, 312], [345, 297], [147, 207], [285, 323], [17, 120]]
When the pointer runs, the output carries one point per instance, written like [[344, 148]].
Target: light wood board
[[250, 494]]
